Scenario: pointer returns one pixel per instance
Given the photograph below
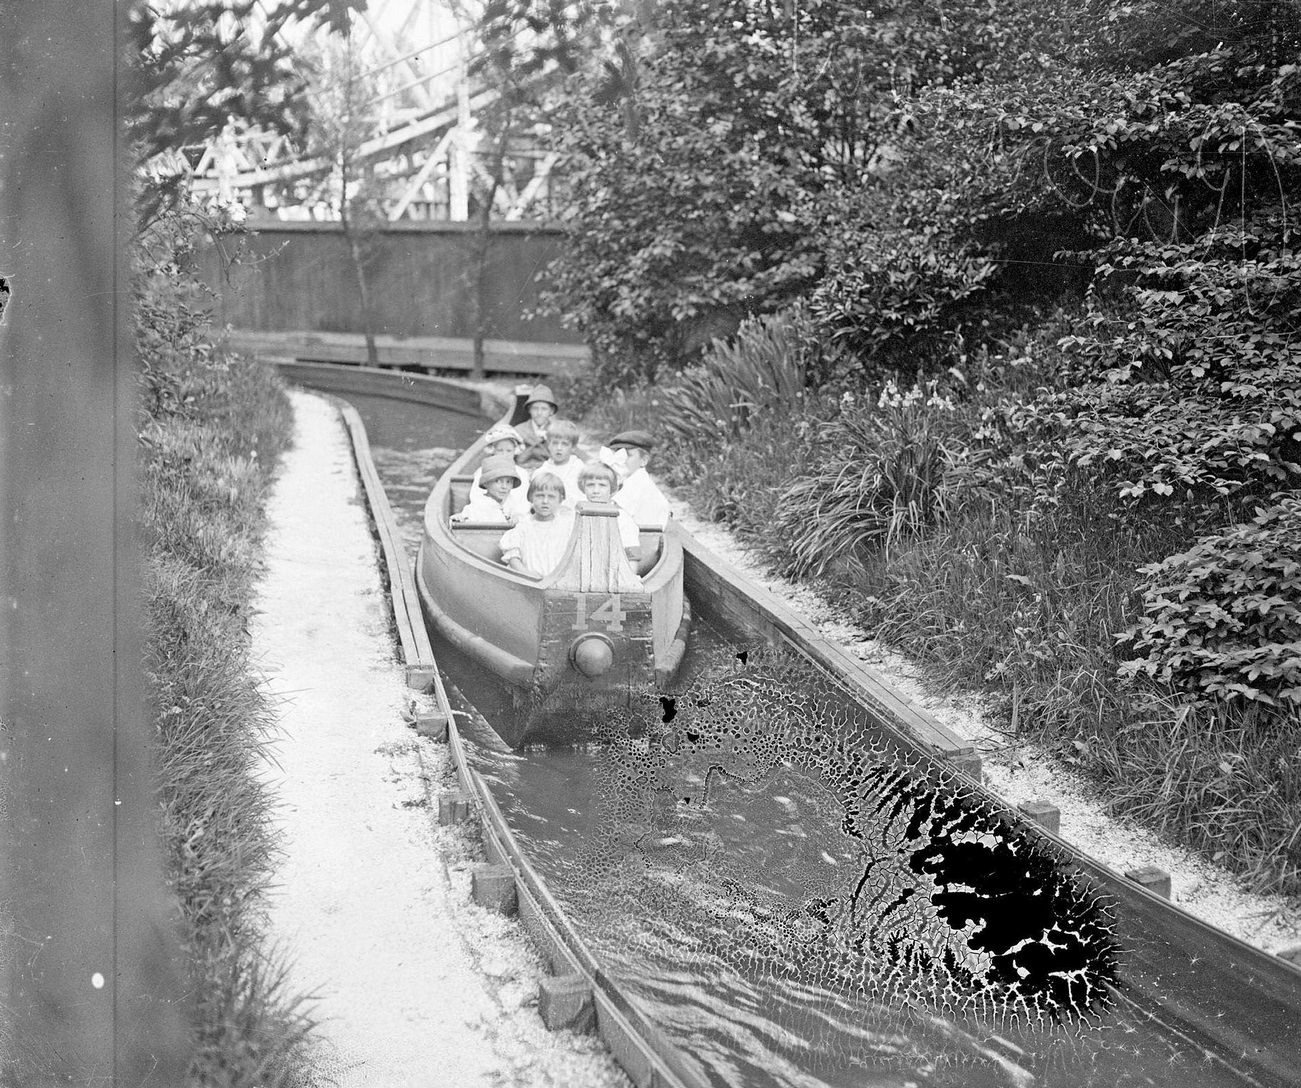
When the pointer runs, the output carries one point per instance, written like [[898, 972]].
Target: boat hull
[[574, 646]]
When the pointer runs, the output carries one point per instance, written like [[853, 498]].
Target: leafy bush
[[888, 292], [1224, 618], [770, 364]]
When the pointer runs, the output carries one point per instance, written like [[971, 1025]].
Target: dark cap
[[640, 439]]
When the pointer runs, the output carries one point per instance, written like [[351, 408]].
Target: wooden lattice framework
[[425, 151]]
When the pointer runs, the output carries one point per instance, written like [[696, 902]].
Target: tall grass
[[993, 589], [212, 433]]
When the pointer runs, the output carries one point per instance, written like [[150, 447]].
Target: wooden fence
[[294, 293]]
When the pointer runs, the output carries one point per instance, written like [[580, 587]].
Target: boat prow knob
[[592, 655]]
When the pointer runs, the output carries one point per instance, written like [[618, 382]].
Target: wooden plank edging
[[417, 653]]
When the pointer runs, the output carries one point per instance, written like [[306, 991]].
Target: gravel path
[[413, 985]]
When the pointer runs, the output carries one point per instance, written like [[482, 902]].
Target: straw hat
[[497, 466], [500, 431]]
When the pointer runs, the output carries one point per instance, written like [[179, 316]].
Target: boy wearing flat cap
[[541, 407], [638, 495]]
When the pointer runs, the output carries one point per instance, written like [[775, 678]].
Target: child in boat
[[500, 440], [638, 494], [537, 544], [562, 440], [541, 407], [492, 502], [597, 481]]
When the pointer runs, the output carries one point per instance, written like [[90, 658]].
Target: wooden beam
[[426, 172], [369, 149], [532, 189], [419, 84]]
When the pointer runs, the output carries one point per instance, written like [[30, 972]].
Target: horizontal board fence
[[294, 290]]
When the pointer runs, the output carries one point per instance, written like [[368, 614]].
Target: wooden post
[[1047, 816], [432, 724], [453, 808], [1150, 877], [565, 1001], [458, 157], [91, 980], [493, 886]]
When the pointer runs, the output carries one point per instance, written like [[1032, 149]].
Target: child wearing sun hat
[[494, 501], [500, 438]]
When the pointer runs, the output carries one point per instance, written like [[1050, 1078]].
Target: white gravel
[[413, 985], [1019, 770]]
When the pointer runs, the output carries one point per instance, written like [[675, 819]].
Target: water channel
[[801, 918]]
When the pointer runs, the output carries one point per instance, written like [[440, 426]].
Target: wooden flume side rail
[[451, 395], [636, 1044], [443, 352]]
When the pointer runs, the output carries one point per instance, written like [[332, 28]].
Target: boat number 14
[[608, 613]]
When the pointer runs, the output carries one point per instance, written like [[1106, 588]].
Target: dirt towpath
[[413, 985]]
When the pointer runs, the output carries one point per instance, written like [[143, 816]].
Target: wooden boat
[[572, 645]]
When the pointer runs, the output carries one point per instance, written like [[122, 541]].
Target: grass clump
[[211, 432]]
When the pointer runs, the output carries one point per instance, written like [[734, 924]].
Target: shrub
[[1223, 619]]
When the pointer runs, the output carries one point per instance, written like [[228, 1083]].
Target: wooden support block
[[1292, 955], [492, 849], [1047, 816], [565, 1001], [966, 760], [432, 724], [1150, 877], [493, 886], [420, 677], [453, 807]]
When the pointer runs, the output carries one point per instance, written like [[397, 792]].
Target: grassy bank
[[212, 431], [961, 543]]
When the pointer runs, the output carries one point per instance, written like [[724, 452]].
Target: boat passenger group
[[532, 477]]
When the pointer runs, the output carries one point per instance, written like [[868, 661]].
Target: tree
[[195, 65], [524, 50], [741, 132], [340, 119]]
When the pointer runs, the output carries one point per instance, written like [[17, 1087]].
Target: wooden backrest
[[460, 493], [652, 540], [482, 538]]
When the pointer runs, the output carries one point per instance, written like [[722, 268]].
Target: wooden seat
[[460, 493], [482, 538], [650, 543]]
